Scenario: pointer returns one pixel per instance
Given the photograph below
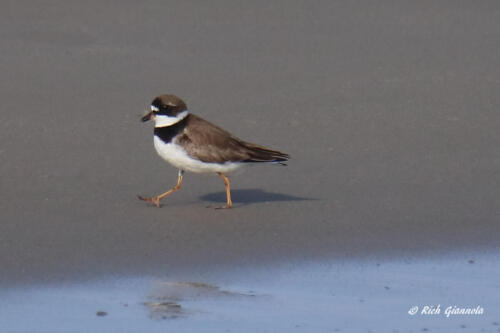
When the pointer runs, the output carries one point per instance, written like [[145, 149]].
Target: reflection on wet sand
[[166, 297]]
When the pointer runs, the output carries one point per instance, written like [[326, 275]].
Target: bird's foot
[[154, 200], [223, 207]]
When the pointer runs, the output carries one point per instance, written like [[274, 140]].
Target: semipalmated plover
[[191, 143]]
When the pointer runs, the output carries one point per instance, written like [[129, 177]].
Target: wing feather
[[209, 143]]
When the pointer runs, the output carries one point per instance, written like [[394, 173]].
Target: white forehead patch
[[154, 108]]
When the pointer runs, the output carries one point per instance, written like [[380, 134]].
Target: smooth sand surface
[[389, 110], [341, 296]]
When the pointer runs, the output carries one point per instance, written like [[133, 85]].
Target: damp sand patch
[[171, 300]]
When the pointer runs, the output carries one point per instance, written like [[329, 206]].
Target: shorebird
[[192, 144]]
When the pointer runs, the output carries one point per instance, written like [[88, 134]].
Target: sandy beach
[[340, 296], [389, 110]]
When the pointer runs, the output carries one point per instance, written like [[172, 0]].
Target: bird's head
[[166, 110]]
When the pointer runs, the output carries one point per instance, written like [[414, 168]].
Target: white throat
[[164, 121]]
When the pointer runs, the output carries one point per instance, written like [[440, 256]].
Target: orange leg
[[228, 190], [156, 200]]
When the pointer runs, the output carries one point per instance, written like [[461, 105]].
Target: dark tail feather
[[263, 154]]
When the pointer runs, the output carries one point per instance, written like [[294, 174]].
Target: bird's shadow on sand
[[251, 196]]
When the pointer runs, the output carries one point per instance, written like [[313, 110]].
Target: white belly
[[178, 157]]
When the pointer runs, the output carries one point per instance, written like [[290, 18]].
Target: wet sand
[[388, 109], [341, 296]]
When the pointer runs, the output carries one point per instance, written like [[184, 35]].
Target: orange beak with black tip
[[148, 116]]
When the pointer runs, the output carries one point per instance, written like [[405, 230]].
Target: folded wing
[[209, 143]]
